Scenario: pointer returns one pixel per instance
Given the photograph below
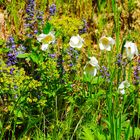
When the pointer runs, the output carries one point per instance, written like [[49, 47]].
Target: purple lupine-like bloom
[[11, 54], [52, 55], [74, 56], [39, 15], [119, 60], [35, 31], [30, 17], [33, 19], [85, 27], [70, 64], [105, 73], [11, 70], [12, 60], [52, 9]]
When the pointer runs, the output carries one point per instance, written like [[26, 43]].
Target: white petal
[[136, 50], [131, 50], [95, 72], [111, 40], [121, 86], [89, 69], [93, 61], [108, 48], [127, 44], [41, 36], [82, 40], [76, 41], [53, 37], [44, 47], [122, 91], [126, 83], [101, 46]]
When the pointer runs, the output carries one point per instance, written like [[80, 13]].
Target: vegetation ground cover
[[69, 70]]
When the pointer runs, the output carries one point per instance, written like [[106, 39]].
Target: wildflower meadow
[[69, 70]]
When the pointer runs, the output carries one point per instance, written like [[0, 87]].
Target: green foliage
[[66, 26], [47, 95], [47, 28]]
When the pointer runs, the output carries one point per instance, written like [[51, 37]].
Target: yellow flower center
[[105, 41], [129, 49], [89, 68], [47, 39]]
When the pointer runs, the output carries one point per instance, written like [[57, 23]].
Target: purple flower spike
[[52, 9], [11, 70]]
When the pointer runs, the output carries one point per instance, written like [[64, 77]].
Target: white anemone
[[76, 42], [91, 67], [131, 50], [105, 43], [46, 39], [123, 86]]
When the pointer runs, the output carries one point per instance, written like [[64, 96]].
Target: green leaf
[[24, 55], [3, 50], [34, 57], [1, 42], [47, 28]]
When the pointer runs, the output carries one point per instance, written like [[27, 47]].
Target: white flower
[[106, 42], [91, 67], [123, 86], [46, 39], [76, 42], [131, 50], [44, 47]]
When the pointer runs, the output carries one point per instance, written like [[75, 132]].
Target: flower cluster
[[30, 17], [32, 23], [12, 52], [85, 27], [74, 54], [105, 73], [137, 73], [52, 9], [119, 60]]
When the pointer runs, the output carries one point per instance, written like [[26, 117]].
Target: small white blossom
[[131, 50], [44, 47], [46, 39], [105, 43], [91, 67], [123, 86], [76, 42]]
